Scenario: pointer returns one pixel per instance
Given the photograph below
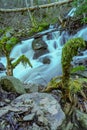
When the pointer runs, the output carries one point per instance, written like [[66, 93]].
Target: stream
[[42, 73]]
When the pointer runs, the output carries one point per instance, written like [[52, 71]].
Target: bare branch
[[36, 7]]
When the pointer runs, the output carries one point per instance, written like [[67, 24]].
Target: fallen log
[[35, 7], [38, 35], [46, 32]]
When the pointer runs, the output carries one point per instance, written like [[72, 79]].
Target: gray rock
[[34, 127], [39, 53], [49, 36], [82, 119], [39, 47], [29, 117], [33, 88], [2, 67], [82, 73], [39, 44], [45, 109], [45, 60], [12, 84], [80, 60]]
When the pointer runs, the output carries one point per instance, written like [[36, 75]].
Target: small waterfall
[[82, 33], [42, 73], [24, 48], [71, 13]]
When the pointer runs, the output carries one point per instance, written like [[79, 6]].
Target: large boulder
[[39, 47], [12, 84], [35, 111]]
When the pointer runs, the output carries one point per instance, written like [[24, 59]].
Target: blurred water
[[42, 73]]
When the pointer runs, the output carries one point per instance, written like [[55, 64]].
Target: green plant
[[70, 49], [65, 82], [40, 27], [78, 68], [81, 9], [7, 42]]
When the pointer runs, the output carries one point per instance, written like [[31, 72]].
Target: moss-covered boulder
[[12, 84]]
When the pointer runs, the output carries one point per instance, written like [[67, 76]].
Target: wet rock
[[45, 60], [82, 73], [2, 67], [82, 119], [49, 36], [80, 60], [38, 44], [40, 47], [39, 53], [12, 84], [33, 87]]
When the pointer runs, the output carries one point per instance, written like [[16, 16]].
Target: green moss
[[22, 59], [40, 27], [70, 49], [55, 83], [78, 68]]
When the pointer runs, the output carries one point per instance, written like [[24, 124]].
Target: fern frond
[[24, 61]]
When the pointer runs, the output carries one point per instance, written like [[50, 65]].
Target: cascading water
[[42, 73]]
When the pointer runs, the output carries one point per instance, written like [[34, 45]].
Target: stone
[[2, 67], [12, 84], [45, 60], [80, 60], [45, 110], [33, 87], [35, 127], [39, 53], [49, 36], [82, 73], [39, 47], [38, 44], [43, 120], [29, 117], [82, 119]]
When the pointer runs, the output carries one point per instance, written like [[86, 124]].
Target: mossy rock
[[12, 84]]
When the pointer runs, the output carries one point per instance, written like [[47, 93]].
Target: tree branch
[[35, 7]]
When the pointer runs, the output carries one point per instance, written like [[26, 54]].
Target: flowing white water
[[42, 73]]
